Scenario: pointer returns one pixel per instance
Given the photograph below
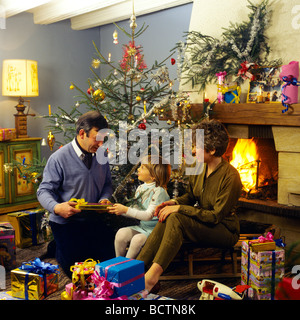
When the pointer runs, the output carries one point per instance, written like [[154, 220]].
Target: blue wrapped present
[[232, 96], [124, 274]]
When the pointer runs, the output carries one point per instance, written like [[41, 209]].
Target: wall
[[210, 17], [63, 56], [165, 28]]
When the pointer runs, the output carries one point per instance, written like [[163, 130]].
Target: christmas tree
[[131, 94]]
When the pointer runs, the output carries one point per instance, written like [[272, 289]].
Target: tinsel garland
[[202, 56]]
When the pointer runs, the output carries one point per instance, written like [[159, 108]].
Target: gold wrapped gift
[[27, 225], [33, 286]]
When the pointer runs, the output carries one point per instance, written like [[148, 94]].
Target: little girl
[[148, 196]]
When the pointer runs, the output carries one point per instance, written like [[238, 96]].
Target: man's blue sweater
[[65, 176]]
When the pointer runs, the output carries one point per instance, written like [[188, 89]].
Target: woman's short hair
[[89, 120], [215, 136]]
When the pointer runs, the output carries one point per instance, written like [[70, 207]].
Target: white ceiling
[[85, 14]]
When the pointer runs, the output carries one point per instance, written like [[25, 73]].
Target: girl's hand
[[166, 211], [162, 205], [117, 209]]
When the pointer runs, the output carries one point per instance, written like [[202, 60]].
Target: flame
[[244, 159]]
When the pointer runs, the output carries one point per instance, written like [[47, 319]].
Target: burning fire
[[244, 159]]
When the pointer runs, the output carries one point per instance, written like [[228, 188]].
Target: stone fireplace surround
[[286, 134]]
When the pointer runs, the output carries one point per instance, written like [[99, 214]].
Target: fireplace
[[256, 159], [278, 135]]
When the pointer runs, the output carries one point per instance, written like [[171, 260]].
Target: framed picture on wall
[[265, 86]]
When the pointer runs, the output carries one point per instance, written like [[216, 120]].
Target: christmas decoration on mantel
[[242, 47]]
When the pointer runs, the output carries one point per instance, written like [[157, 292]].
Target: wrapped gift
[[81, 274], [27, 225], [232, 93], [261, 270], [7, 134], [72, 293], [125, 276], [263, 243], [34, 280], [7, 246]]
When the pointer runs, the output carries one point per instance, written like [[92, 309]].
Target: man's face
[[89, 143]]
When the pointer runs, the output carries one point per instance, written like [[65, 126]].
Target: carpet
[[179, 290]]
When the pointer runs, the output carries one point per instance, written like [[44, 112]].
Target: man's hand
[[117, 209], [162, 205], [66, 209]]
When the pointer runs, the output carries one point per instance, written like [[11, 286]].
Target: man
[[74, 171]]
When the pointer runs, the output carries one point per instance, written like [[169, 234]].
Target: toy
[[212, 290]]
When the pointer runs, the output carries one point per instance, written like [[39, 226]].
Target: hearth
[[257, 161]]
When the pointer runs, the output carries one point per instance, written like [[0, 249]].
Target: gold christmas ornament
[[96, 63], [99, 95], [50, 140]]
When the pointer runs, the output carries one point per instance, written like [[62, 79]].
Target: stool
[[191, 247]]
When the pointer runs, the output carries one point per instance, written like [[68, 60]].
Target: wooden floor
[[179, 289]]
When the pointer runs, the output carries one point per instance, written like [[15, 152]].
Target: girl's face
[[144, 174]]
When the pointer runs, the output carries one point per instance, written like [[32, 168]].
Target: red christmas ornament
[[142, 126], [90, 90], [173, 61]]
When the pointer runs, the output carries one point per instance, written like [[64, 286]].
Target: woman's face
[[202, 155]]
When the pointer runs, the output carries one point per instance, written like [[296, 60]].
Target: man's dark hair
[[89, 120]]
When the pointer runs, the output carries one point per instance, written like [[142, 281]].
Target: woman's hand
[[166, 211], [162, 205], [117, 209]]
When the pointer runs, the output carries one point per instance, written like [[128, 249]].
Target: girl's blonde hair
[[160, 171]]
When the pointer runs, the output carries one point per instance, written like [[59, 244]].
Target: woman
[[212, 223]]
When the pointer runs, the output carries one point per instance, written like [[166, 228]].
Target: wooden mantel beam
[[255, 114]]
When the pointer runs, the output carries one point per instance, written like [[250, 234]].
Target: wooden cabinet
[[15, 192]]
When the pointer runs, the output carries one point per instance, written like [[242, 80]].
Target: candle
[[49, 109], [145, 109], [135, 61], [109, 56]]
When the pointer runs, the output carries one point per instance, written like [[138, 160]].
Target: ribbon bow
[[104, 289], [244, 70], [221, 74], [39, 267], [79, 270], [80, 202], [290, 80], [269, 237]]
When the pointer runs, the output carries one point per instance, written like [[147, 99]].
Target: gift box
[[261, 270], [34, 280], [7, 134], [27, 225], [81, 274], [7, 246], [126, 276]]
